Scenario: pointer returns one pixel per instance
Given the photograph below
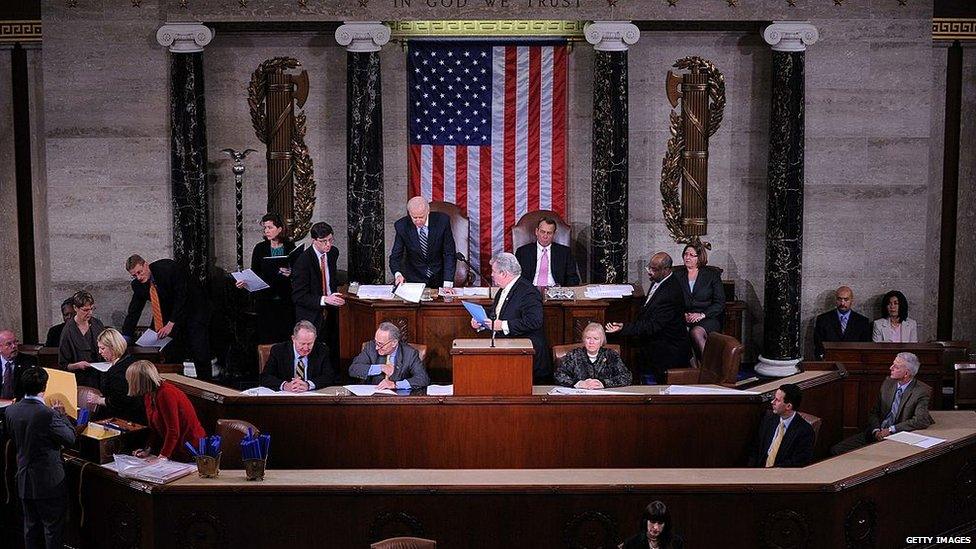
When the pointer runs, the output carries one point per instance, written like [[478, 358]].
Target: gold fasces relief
[[702, 96]]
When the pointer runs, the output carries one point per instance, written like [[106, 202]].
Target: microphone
[[469, 279], [492, 318]]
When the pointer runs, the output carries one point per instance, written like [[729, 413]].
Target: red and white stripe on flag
[[521, 169]]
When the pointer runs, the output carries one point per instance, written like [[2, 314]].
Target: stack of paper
[[440, 390], [264, 391], [150, 338], [915, 439], [699, 390], [368, 390], [611, 291], [575, 391], [159, 472], [375, 291], [474, 291], [410, 291]]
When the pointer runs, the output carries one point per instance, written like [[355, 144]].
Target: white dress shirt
[[501, 302]]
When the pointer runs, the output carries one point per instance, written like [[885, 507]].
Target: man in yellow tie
[[785, 438], [299, 365]]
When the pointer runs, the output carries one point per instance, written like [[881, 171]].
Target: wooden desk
[[856, 500], [648, 429], [868, 364]]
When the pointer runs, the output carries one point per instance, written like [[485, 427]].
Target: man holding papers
[[517, 312], [299, 365], [903, 405], [423, 248], [314, 281], [387, 364], [179, 310]]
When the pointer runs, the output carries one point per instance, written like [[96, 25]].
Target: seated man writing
[[387, 364]]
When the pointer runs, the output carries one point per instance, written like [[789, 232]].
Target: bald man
[[423, 249], [841, 324], [12, 363]]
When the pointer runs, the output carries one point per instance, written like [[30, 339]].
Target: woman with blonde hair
[[171, 417], [593, 366], [115, 398]]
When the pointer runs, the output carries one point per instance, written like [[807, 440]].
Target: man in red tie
[[179, 307], [314, 282]]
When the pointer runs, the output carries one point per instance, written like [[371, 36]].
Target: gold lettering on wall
[[474, 5]]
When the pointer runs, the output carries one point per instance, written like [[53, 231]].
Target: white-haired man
[[423, 248], [903, 405]]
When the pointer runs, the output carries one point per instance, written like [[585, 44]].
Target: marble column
[[192, 238], [610, 39], [781, 351], [364, 148]]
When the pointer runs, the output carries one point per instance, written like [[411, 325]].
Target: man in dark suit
[[12, 363], [660, 324], [547, 263], [39, 433], [841, 324], [423, 248], [179, 310], [903, 405], [299, 365], [387, 364], [53, 338], [517, 312], [314, 280], [785, 438]]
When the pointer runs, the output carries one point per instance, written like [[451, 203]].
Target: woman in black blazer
[[704, 295], [115, 400], [276, 314]]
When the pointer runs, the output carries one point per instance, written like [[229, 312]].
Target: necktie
[[325, 275], [543, 278], [889, 420], [651, 293], [774, 445], [300, 368], [157, 310], [843, 324], [7, 391], [423, 248]]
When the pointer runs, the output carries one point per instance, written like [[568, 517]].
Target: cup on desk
[[254, 468], [208, 466]]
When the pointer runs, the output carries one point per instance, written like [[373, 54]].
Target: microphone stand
[[492, 315]]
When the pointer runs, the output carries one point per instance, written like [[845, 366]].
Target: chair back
[[814, 422], [523, 232], [720, 361], [404, 543], [965, 387], [420, 347], [559, 351], [84, 396], [264, 351], [459, 228], [231, 432]]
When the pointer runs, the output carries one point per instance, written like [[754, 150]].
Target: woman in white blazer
[[896, 327]]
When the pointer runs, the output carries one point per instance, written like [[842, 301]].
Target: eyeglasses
[[88, 309], [384, 344], [326, 240]]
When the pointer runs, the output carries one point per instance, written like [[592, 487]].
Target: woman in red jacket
[[171, 416]]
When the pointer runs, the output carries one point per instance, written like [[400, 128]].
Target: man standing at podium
[[517, 312], [423, 248]]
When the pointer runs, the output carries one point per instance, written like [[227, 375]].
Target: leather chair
[[965, 386], [231, 432], [523, 232], [719, 364], [420, 347], [459, 227], [814, 422], [559, 351], [84, 393], [404, 543], [264, 351]]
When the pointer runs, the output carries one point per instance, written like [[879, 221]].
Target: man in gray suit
[[39, 433], [902, 406], [387, 364]]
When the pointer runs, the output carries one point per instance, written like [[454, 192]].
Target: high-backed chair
[[965, 390], [264, 351], [420, 347], [459, 228], [404, 543], [814, 422], [719, 364], [83, 397], [523, 232], [559, 351], [231, 432]]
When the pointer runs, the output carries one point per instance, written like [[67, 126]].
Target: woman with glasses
[[704, 295], [592, 366], [79, 341]]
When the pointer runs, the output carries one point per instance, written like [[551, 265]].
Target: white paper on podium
[[440, 390], [264, 391], [698, 390], [368, 390], [410, 291], [253, 281], [473, 291], [577, 391], [150, 338], [375, 291], [100, 366], [915, 439]]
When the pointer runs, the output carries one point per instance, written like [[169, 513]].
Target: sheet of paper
[[100, 366], [410, 291], [150, 338], [474, 291], [440, 390], [576, 391], [253, 281], [694, 390], [477, 312], [368, 390], [915, 439], [63, 387], [375, 291], [159, 472], [608, 290], [264, 391]]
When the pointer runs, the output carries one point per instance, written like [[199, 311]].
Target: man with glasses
[[179, 307], [11, 365], [387, 364], [660, 323], [314, 280], [299, 365]]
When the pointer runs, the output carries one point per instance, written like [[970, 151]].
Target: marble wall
[[9, 253], [964, 317]]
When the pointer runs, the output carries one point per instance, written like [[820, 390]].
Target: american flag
[[487, 124]]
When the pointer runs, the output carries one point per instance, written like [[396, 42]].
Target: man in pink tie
[[546, 263]]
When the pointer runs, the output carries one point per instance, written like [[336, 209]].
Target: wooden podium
[[482, 370]]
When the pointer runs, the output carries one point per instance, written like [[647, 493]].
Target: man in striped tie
[[179, 307], [299, 365], [903, 405], [423, 248], [785, 438]]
